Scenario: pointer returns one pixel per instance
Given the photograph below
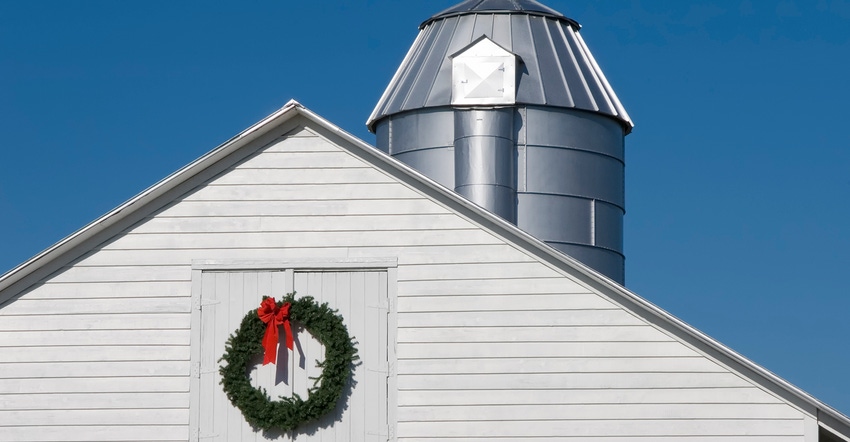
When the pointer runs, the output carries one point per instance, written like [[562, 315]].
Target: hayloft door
[[227, 296]]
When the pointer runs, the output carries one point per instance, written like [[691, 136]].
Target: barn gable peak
[[294, 124]]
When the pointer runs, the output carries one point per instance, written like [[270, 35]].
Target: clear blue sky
[[738, 171]]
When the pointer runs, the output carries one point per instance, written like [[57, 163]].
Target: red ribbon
[[274, 316]]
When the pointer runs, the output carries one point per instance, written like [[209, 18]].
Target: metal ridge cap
[[559, 17], [499, 5]]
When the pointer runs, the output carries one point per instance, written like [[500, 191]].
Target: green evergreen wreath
[[289, 412]]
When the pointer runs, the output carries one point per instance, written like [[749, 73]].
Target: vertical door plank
[[245, 301], [374, 376], [382, 303], [222, 331], [207, 360], [339, 298], [356, 328]]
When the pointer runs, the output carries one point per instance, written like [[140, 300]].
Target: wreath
[[255, 335]]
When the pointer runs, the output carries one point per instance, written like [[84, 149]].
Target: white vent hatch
[[483, 73]]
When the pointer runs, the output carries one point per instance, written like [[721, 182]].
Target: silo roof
[[557, 68]]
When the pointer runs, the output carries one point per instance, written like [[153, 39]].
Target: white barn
[[468, 328]]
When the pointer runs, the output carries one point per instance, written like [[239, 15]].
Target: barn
[[467, 327]]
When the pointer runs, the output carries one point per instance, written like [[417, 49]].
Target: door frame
[[387, 264]]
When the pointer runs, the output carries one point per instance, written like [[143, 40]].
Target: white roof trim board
[[827, 416]]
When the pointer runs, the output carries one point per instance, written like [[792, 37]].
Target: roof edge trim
[[374, 117]]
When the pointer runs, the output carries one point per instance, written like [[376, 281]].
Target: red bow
[[273, 316]]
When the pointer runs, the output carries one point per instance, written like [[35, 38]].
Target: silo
[[502, 101]]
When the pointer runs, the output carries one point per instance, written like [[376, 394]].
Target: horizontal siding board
[[520, 366], [39, 307], [18, 370], [86, 433], [505, 286], [485, 271], [183, 256], [75, 338], [543, 350], [173, 416], [129, 321], [303, 160], [341, 223], [632, 333], [461, 254], [462, 303], [639, 428], [301, 192], [95, 354], [96, 290], [534, 381], [353, 175], [719, 396], [301, 239], [518, 319], [593, 412], [359, 206], [93, 401], [123, 274], [166, 384]]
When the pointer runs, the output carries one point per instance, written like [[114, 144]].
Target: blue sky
[[737, 173]]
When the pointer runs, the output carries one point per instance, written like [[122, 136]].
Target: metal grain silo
[[502, 101]]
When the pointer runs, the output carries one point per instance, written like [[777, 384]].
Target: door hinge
[[196, 372], [201, 303]]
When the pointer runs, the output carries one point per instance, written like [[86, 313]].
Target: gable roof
[[76, 245]]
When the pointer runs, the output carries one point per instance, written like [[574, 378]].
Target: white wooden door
[[359, 296]]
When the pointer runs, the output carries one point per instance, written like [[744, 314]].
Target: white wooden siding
[[93, 368], [491, 343], [508, 357]]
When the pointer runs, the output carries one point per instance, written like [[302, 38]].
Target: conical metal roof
[[556, 67]]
